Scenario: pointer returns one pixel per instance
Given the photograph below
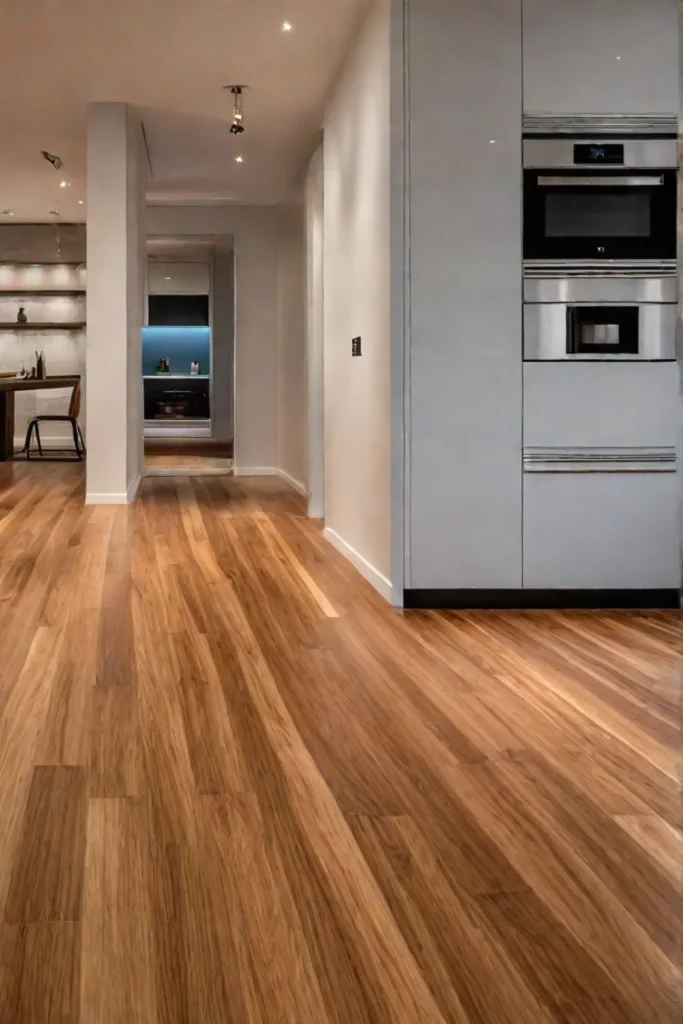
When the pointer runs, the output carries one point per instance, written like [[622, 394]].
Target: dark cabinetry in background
[[179, 311], [179, 398]]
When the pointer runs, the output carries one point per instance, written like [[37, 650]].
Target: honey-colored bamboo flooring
[[236, 787]]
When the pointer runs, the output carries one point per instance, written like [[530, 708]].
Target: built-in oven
[[599, 199], [599, 247]]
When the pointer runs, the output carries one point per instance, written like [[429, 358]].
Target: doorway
[[188, 357]]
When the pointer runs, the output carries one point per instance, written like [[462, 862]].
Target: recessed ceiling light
[[287, 26], [239, 159], [80, 202], [167, 279], [64, 183], [8, 213], [54, 213]]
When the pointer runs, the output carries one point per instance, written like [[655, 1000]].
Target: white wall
[[64, 354], [116, 257], [255, 233], [315, 427], [177, 278], [357, 302], [291, 347], [223, 334], [39, 246]]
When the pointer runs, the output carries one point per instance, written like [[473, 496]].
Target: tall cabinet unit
[[464, 506], [599, 455]]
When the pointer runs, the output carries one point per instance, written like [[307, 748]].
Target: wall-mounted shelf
[[30, 292], [42, 326]]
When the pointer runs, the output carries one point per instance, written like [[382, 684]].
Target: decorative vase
[[21, 316]]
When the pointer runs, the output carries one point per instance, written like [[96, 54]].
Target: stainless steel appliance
[[593, 199], [599, 248], [604, 315]]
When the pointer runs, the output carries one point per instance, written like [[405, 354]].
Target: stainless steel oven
[[599, 199], [599, 247]]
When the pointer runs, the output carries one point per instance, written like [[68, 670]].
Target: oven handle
[[643, 181]]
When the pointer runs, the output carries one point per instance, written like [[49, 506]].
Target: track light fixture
[[52, 159], [237, 126]]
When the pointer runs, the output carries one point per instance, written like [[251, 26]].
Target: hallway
[[235, 786]]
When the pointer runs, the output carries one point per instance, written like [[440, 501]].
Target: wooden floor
[[196, 456], [193, 465], [236, 787], [185, 446]]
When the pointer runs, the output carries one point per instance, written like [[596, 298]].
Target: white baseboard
[[106, 499], [273, 471], [295, 484], [255, 471], [372, 575], [133, 488], [121, 498]]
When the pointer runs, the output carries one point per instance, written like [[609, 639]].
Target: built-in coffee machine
[[600, 241]]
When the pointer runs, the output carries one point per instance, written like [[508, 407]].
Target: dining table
[[8, 389]]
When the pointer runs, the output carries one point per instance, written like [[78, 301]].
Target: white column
[[116, 259]]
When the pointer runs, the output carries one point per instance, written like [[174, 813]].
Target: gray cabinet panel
[[601, 530], [464, 527], [601, 56], [600, 404]]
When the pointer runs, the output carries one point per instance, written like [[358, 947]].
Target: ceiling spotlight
[[54, 213], [237, 127], [80, 202], [287, 26], [8, 213], [167, 279], [239, 159], [52, 159], [64, 183]]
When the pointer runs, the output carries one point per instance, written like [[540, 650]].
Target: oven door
[[611, 214]]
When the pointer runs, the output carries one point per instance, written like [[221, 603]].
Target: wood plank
[[265, 922], [658, 839], [50, 979], [117, 964], [22, 723], [469, 971], [47, 880], [115, 756]]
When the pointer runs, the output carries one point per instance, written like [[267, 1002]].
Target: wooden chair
[[71, 417]]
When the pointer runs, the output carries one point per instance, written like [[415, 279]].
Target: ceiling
[[169, 58], [184, 249]]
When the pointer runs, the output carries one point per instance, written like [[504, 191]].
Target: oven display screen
[[611, 153]]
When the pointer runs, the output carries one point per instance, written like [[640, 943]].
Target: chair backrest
[[75, 403]]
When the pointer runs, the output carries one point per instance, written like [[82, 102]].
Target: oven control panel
[[600, 154]]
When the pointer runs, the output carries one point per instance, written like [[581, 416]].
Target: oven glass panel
[[602, 330], [589, 220], [593, 214]]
